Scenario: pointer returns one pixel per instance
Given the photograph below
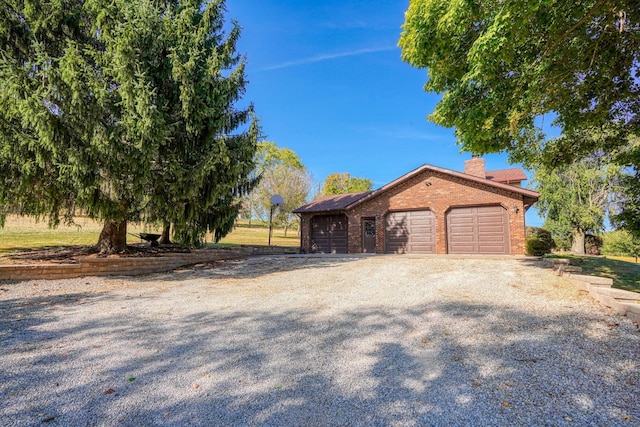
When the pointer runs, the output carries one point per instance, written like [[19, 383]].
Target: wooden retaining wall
[[599, 288]]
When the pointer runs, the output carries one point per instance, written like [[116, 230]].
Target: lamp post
[[276, 200]]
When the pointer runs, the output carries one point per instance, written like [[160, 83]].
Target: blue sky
[[328, 82]]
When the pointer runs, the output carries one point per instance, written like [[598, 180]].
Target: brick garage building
[[429, 210]]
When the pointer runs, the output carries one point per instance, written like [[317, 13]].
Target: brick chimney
[[475, 167]]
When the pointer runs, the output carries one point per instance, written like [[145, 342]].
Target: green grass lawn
[[24, 233], [624, 271], [242, 234]]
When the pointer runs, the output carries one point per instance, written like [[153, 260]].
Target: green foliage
[[620, 243], [576, 198], [341, 183], [561, 231], [125, 109], [541, 234], [268, 154], [280, 171], [501, 66], [289, 182], [505, 69], [628, 216], [539, 241]]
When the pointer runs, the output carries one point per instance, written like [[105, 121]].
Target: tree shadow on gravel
[[253, 267], [433, 364]]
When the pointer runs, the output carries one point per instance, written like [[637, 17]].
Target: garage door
[[412, 232], [329, 234], [478, 230]]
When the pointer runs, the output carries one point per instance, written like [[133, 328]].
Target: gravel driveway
[[377, 340]]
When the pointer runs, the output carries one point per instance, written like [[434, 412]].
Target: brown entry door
[[369, 236]]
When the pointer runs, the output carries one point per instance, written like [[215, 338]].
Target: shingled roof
[[506, 175], [332, 202]]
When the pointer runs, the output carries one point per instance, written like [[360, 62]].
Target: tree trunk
[[577, 245], [113, 238], [286, 227], [166, 235]]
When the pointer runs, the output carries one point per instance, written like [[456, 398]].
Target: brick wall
[[128, 266], [475, 167], [438, 192]]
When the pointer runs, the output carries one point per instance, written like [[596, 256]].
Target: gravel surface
[[294, 340]]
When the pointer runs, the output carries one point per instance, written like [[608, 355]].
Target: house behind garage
[[430, 210]]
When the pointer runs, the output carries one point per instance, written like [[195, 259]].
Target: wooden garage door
[[329, 234], [478, 230], [411, 232]]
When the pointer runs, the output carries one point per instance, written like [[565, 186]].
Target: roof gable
[[529, 194], [347, 201]]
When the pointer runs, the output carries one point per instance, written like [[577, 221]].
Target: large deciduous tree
[[126, 110], [505, 69], [629, 216], [501, 65], [280, 171], [340, 183], [576, 199], [292, 183]]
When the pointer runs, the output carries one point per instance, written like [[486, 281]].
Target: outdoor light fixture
[[515, 209], [427, 183]]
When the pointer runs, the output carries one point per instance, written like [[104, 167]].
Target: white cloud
[[325, 57], [409, 134]]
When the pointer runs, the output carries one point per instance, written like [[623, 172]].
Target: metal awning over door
[[329, 234], [478, 230], [411, 232]]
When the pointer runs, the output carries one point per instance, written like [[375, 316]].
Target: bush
[[536, 247], [539, 241], [620, 243]]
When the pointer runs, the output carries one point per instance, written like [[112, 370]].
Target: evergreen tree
[[125, 109]]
